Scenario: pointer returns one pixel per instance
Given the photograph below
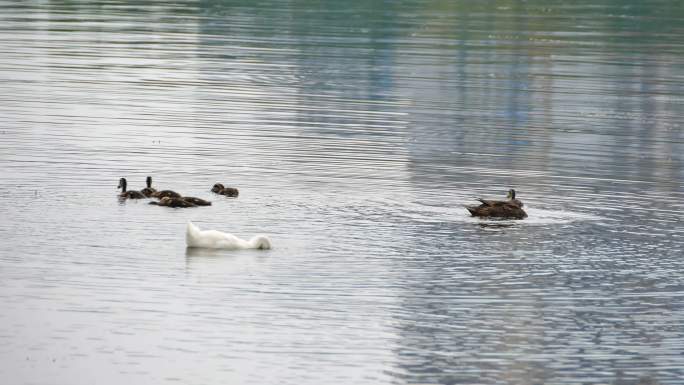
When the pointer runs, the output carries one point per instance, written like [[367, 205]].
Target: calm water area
[[355, 131]]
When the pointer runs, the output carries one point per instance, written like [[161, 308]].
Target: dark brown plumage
[[512, 208], [173, 202], [227, 191], [165, 194], [148, 191], [128, 194], [197, 201]]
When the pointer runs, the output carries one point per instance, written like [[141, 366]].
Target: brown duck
[[510, 209], [227, 191], [197, 201], [165, 194], [173, 202], [149, 190], [128, 194]]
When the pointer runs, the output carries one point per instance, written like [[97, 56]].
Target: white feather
[[213, 239]]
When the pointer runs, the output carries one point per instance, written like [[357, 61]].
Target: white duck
[[213, 239]]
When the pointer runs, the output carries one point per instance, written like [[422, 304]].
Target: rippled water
[[355, 132]]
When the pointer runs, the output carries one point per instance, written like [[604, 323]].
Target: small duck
[[128, 194], [173, 202], [165, 194], [196, 201], [148, 191], [227, 191], [512, 208]]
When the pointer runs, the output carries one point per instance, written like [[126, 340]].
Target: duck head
[[217, 188], [511, 194], [122, 184], [260, 242], [511, 198]]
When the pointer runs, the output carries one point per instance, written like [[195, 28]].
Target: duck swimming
[[165, 194], [148, 191], [511, 209], [173, 202], [227, 191], [213, 239], [128, 194], [196, 201]]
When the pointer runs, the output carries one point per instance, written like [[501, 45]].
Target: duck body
[[197, 201], [149, 190], [128, 194], [220, 189], [165, 194], [505, 210], [173, 202], [510, 209], [515, 202], [132, 194], [213, 239]]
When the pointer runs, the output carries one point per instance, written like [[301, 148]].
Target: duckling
[[196, 201], [217, 188], [128, 194], [227, 191], [512, 208], [165, 193], [148, 191], [173, 202]]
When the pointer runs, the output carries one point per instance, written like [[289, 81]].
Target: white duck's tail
[[191, 235], [260, 242]]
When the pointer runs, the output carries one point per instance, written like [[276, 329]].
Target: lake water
[[355, 131]]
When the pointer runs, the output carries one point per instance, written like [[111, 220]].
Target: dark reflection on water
[[356, 132]]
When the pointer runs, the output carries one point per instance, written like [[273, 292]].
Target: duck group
[[170, 198], [195, 237], [512, 208]]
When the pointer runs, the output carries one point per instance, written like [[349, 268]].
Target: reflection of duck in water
[[512, 208]]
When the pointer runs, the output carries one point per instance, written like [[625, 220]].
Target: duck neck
[[122, 184], [191, 233], [260, 242], [148, 181]]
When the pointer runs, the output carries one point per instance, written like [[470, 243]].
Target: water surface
[[355, 133]]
